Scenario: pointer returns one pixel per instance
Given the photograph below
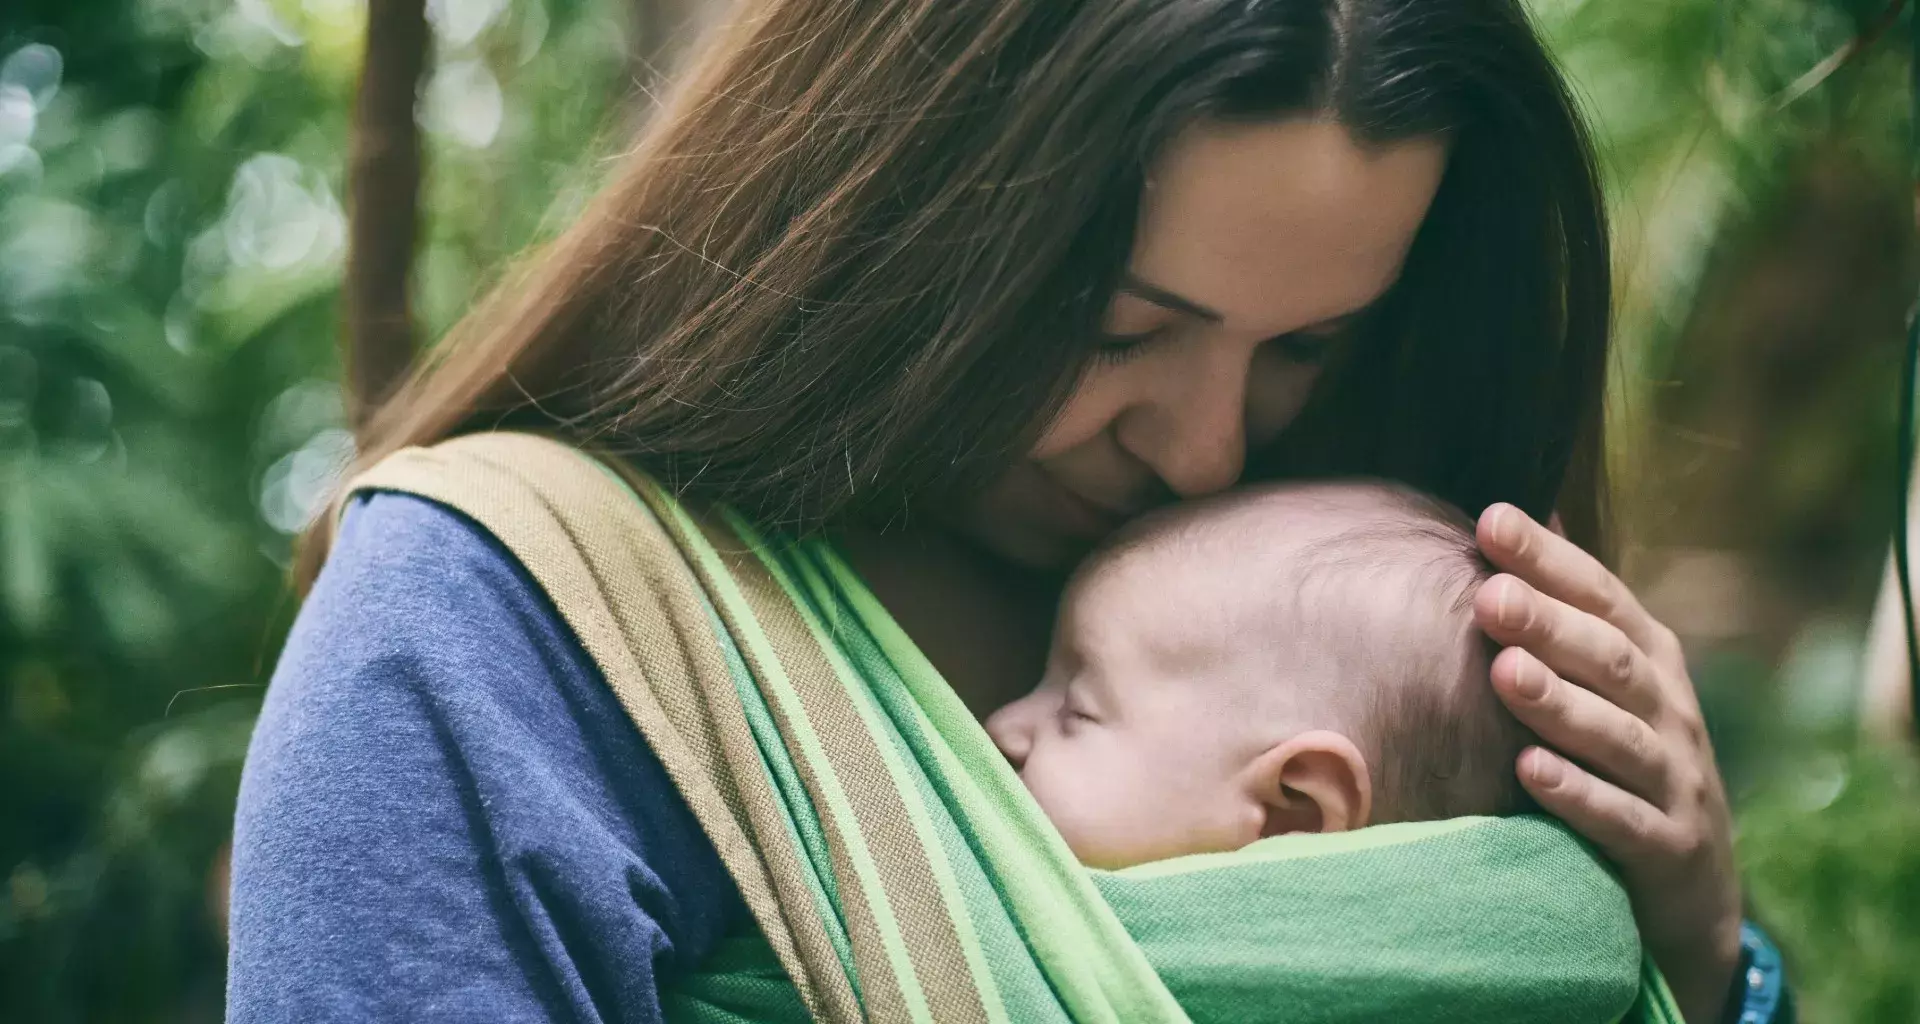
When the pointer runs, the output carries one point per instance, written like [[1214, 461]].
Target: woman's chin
[[1017, 529], [1027, 546]]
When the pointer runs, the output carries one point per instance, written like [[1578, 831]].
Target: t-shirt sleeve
[[445, 815]]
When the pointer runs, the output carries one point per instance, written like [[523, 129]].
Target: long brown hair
[[861, 253]]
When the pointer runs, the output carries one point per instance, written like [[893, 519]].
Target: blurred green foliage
[[1831, 851], [171, 237]]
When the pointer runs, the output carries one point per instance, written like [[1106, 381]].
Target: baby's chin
[[1112, 846], [1095, 849], [1112, 853], [1112, 841], [1104, 859]]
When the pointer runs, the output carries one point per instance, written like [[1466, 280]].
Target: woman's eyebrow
[[1338, 323], [1181, 304], [1161, 297]]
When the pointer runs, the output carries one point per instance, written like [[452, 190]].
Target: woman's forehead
[[1283, 224]]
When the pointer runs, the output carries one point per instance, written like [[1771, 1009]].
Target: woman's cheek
[[1277, 389], [1095, 403]]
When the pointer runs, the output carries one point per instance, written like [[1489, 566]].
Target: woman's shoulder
[[416, 597], [413, 569], [419, 611], [386, 538], [440, 778], [424, 642]]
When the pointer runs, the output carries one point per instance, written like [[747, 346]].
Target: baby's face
[[1136, 742], [1210, 674]]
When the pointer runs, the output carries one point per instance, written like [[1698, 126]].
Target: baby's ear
[[1314, 782]]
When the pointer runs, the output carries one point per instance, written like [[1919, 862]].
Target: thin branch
[[1839, 58]]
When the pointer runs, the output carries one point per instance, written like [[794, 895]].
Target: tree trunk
[[383, 202], [659, 32]]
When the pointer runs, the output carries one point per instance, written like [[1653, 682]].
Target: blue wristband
[[1762, 985]]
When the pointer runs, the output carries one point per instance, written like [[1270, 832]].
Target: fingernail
[[1547, 770], [1530, 680], [1510, 610], [1500, 525]]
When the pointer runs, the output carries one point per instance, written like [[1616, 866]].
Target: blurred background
[[174, 291]]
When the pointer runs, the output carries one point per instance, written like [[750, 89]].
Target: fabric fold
[[895, 868]]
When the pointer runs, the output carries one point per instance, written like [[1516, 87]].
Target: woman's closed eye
[[1115, 349], [1308, 348]]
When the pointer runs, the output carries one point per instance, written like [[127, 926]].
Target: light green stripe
[[898, 770], [1023, 985], [796, 813], [1298, 847], [792, 796], [1095, 964], [1660, 1002], [845, 823]]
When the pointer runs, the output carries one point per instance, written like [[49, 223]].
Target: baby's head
[[1296, 658]]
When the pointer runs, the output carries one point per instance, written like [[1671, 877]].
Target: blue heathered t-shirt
[[445, 815]]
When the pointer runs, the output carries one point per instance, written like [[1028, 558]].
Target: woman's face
[[1257, 245]]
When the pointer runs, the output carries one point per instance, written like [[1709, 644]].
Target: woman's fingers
[[1585, 726], [1630, 830], [1574, 644], [1558, 568], [1637, 776]]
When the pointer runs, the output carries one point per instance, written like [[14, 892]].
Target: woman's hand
[[1605, 686]]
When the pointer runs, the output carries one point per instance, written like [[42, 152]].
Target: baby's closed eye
[[1073, 712]]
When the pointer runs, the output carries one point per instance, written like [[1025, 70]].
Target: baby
[[1297, 658]]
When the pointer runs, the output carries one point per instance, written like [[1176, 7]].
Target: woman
[[970, 283]]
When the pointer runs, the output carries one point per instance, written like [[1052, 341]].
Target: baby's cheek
[[1097, 841], [1073, 803], [1112, 818]]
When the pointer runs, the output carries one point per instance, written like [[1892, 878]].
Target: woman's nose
[[1208, 459], [1193, 432]]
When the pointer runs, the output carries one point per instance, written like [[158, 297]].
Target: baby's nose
[[1013, 741]]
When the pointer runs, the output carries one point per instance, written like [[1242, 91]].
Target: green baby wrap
[[896, 869]]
